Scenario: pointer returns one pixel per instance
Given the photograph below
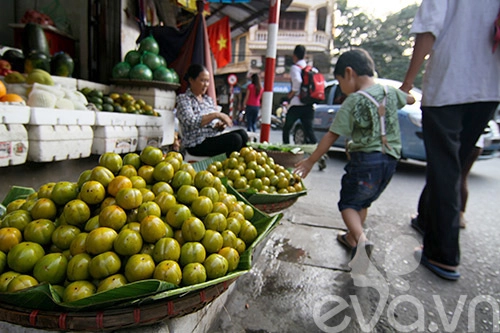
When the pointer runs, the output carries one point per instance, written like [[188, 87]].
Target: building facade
[[306, 22]]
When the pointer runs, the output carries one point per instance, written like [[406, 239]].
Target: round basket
[[275, 207], [286, 159], [113, 319]]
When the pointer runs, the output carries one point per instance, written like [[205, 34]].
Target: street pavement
[[301, 280]]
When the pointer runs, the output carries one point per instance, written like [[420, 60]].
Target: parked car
[[410, 122]]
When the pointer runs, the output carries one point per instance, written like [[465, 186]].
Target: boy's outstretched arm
[[303, 167]]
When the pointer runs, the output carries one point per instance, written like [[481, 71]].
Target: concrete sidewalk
[[300, 280]]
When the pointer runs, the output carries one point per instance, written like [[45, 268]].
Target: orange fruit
[[9, 237], [11, 98], [118, 183], [3, 89]]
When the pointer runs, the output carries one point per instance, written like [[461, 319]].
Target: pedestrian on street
[[252, 102], [297, 110], [201, 124], [417, 224], [369, 117], [461, 90]]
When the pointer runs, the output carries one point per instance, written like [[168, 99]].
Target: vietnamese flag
[[219, 35]]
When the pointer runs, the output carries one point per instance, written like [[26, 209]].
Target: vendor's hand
[[225, 119], [303, 167], [220, 126]]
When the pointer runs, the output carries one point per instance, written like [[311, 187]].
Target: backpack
[[312, 89]]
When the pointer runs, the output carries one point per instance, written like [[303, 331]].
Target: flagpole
[[267, 96]]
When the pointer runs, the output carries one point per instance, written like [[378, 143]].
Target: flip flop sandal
[[342, 239], [441, 272]]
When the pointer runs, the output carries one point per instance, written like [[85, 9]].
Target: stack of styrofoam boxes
[[115, 132], [149, 127], [150, 131], [13, 134], [56, 134]]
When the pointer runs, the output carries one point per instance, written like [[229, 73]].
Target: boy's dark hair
[[358, 59], [194, 71], [299, 51]]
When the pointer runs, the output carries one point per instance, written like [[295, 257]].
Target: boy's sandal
[[342, 239], [441, 272]]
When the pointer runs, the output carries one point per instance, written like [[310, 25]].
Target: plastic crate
[[14, 114], [149, 136], [168, 125], [13, 144], [158, 98], [118, 139], [49, 143], [103, 118], [47, 116]]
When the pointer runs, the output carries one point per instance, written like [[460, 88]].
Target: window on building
[[321, 19], [242, 47], [233, 51], [292, 21]]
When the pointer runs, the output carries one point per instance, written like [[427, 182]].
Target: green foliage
[[388, 41]]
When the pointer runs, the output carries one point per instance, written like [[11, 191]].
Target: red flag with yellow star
[[219, 35]]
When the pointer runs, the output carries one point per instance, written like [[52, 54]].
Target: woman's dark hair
[[256, 83], [194, 71], [358, 59]]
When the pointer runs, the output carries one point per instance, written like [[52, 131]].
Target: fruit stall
[[140, 237]]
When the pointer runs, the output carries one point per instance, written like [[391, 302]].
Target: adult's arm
[[422, 48]]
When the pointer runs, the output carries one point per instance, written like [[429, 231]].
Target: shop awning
[[243, 14]]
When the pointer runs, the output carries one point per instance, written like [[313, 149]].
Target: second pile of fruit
[[254, 170]]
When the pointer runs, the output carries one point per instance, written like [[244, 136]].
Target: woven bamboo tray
[[113, 319], [274, 207], [286, 159]]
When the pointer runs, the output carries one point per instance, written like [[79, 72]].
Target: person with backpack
[[252, 102], [297, 109], [369, 116]]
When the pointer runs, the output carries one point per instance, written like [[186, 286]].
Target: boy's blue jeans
[[367, 175]]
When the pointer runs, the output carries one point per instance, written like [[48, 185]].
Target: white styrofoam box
[[158, 98], [168, 125], [14, 114], [92, 85], [144, 120], [46, 116], [149, 136], [117, 139], [66, 82], [103, 118], [13, 144], [59, 142]]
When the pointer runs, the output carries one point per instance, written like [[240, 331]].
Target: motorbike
[[276, 122]]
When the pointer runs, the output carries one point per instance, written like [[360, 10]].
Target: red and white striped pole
[[272, 42]]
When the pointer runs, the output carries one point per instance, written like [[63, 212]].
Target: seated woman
[[201, 123]]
